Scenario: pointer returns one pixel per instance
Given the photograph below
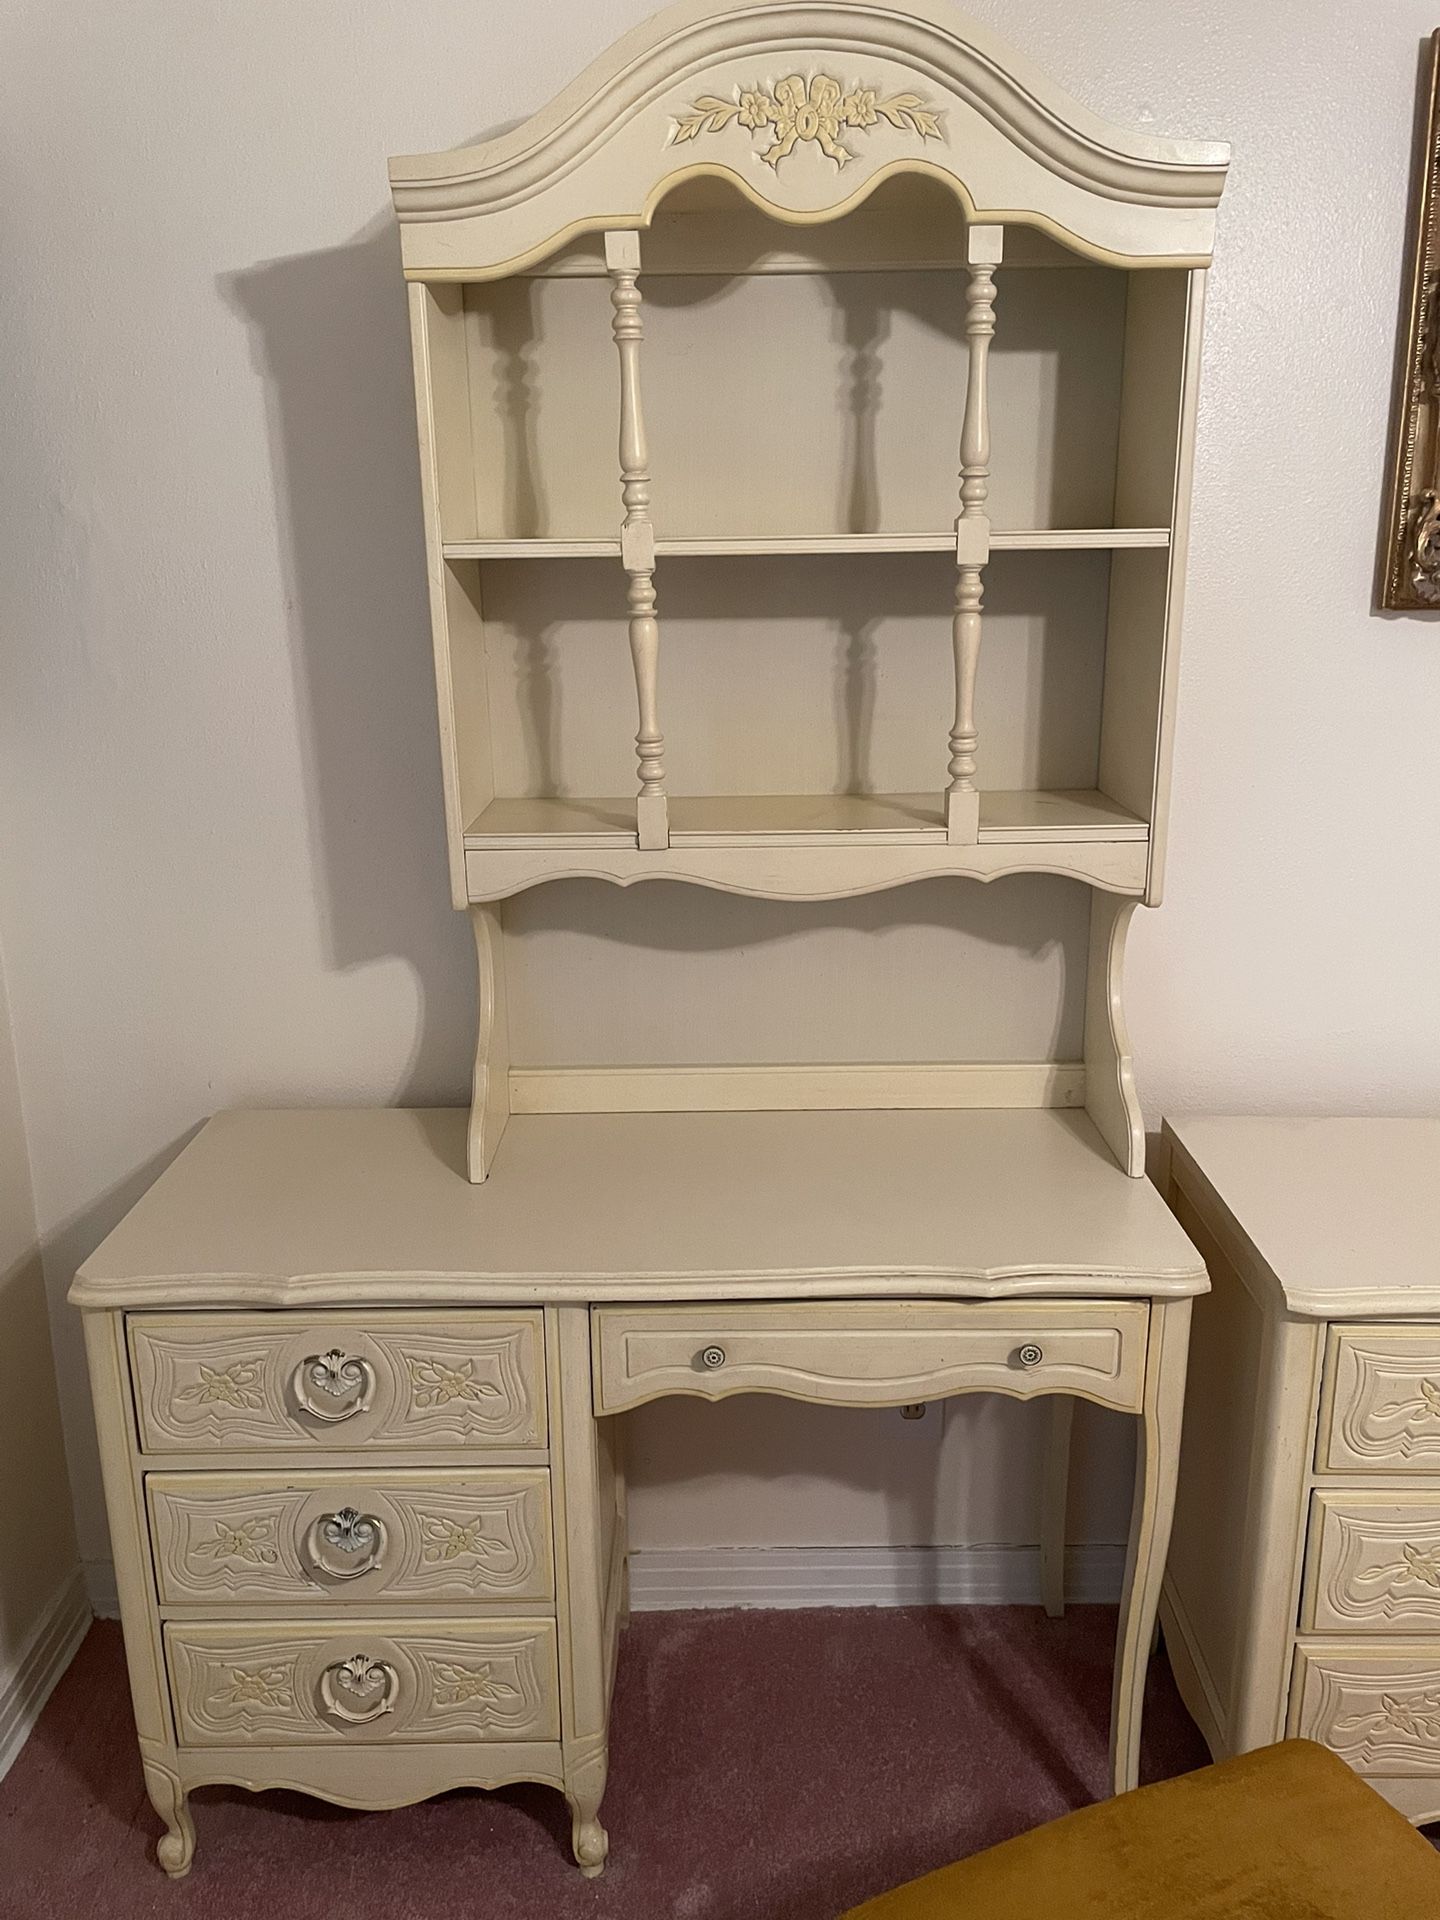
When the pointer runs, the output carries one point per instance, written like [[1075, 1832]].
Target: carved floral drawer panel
[[1380, 1405], [344, 1538], [363, 1682], [265, 1380], [865, 1355], [1374, 1562], [1379, 1710]]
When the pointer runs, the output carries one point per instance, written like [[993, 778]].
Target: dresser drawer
[[1380, 1404], [1373, 1563], [262, 1380], [1379, 1710], [864, 1354], [343, 1538], [363, 1682]]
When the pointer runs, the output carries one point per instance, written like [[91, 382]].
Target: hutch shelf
[[844, 375]]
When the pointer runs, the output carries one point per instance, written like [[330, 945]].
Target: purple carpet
[[764, 1766]]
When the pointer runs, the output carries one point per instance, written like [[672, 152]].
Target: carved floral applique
[[456, 1539], [436, 1384], [1417, 1717], [235, 1386], [249, 1541], [456, 1684], [817, 110], [256, 1686]]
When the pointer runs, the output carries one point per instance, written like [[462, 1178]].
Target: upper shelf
[[1019, 540], [806, 106]]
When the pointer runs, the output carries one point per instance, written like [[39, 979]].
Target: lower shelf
[[803, 819]]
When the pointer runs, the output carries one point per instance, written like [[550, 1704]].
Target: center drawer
[[869, 1354], [268, 1380], [342, 1538]]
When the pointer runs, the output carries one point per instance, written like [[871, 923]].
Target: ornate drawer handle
[[348, 1385], [711, 1357], [358, 1536], [1029, 1355], [372, 1684]]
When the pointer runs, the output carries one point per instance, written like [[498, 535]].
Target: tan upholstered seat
[[1287, 1833]]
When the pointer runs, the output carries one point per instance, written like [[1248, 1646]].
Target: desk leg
[[1054, 1504], [1156, 1465], [580, 1581]]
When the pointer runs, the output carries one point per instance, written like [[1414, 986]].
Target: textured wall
[[223, 879], [36, 1526]]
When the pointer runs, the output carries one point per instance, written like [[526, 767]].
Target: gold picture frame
[[1410, 554]]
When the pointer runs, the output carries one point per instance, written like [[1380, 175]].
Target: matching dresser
[[1303, 1589]]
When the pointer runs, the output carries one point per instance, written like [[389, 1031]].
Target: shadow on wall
[[330, 337]]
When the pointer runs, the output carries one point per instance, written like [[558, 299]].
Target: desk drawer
[[1379, 1710], [866, 1354], [269, 1380], [363, 1683], [328, 1539], [1380, 1407], [1374, 1563]]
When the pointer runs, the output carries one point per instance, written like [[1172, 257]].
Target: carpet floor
[[764, 1766]]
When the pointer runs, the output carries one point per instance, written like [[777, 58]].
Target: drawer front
[[1380, 1407], [342, 1538], [1374, 1563], [865, 1354], [262, 1380], [1380, 1711], [363, 1683]]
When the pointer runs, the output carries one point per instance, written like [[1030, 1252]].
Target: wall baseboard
[[673, 1577], [49, 1651]]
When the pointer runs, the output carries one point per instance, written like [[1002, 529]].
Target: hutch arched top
[[805, 109]]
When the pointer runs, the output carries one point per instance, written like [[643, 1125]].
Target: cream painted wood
[[756, 164], [1373, 1562], [860, 1355], [399, 1380], [372, 1776], [637, 535], [1002, 540], [981, 1205], [1111, 1099], [984, 250], [1378, 1709], [283, 1683], [1308, 1504], [1006, 142], [342, 1539], [1380, 1404], [490, 1082], [796, 1089]]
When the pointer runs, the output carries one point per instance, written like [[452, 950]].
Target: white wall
[[224, 878], [37, 1531]]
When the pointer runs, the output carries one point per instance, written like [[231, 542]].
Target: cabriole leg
[[176, 1847], [1156, 1466]]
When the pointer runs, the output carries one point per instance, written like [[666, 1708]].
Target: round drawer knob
[[1029, 1355], [711, 1358]]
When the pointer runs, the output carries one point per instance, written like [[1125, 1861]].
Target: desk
[[357, 1416]]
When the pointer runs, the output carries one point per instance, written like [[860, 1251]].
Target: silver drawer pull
[[711, 1357], [359, 1538], [1029, 1355], [359, 1689], [333, 1385]]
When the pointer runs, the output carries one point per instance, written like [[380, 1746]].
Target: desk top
[[1332, 1219], [373, 1207]]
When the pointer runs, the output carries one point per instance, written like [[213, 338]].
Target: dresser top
[[1334, 1219], [372, 1207]]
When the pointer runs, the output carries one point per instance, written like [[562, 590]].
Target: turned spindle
[[637, 538], [972, 531]]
